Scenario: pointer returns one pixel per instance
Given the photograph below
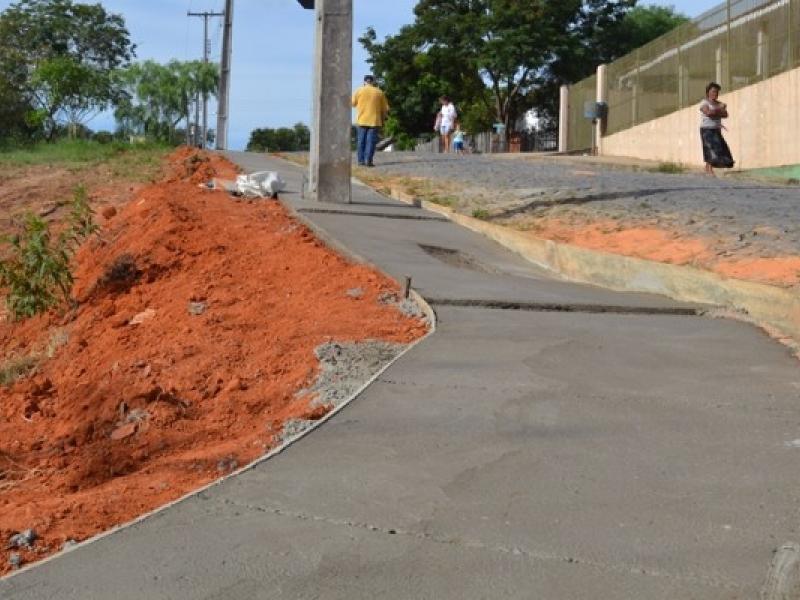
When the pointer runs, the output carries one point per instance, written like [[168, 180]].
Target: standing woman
[[715, 149], [445, 122]]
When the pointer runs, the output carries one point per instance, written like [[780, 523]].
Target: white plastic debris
[[260, 184]]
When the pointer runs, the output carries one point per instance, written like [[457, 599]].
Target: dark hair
[[369, 78], [713, 86], [445, 98]]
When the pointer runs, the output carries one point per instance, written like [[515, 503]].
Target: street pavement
[[736, 217], [569, 446]]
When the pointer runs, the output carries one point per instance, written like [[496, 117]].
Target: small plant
[[669, 167], [121, 274], [36, 272], [480, 213]]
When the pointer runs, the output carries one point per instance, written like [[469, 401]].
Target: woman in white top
[[445, 121], [715, 150]]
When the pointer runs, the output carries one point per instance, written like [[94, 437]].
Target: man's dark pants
[[367, 140]]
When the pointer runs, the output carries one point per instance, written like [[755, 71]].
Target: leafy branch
[[36, 271]]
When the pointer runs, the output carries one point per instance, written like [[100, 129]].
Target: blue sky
[[272, 50]]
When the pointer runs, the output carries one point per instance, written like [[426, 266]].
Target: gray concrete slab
[[486, 269], [512, 451], [511, 455]]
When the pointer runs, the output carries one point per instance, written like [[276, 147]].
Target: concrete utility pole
[[225, 78], [330, 156], [206, 16]]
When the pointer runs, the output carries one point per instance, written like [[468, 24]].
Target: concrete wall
[[763, 129]]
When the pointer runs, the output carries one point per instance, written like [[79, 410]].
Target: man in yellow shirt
[[372, 108]]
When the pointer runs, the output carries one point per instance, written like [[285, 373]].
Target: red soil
[[126, 417], [662, 245]]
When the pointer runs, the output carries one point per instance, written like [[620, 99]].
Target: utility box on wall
[[596, 111]]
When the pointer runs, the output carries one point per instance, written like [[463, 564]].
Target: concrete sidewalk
[[530, 453]]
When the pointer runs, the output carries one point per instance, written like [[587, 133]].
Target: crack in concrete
[[332, 211], [570, 307], [531, 555]]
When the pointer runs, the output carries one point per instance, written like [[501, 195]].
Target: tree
[[499, 58], [598, 43], [156, 97], [282, 139], [57, 57]]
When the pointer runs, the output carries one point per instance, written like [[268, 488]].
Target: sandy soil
[[195, 332]]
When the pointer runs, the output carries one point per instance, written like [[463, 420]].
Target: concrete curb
[[775, 309], [341, 249]]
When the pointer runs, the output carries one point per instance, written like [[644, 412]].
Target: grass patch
[[669, 167], [19, 367], [480, 213], [135, 162], [16, 368]]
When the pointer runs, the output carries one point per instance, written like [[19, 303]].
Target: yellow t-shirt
[[371, 106]]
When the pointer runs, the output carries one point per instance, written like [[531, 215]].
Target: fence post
[[728, 50], [563, 120], [681, 74], [636, 90], [790, 37], [601, 95]]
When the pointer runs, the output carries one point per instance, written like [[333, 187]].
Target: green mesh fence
[[736, 44], [579, 131]]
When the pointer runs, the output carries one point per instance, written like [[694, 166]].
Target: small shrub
[[15, 369], [121, 274], [103, 137], [480, 213], [36, 272], [669, 167]]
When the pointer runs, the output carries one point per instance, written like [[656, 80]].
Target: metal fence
[[579, 128], [488, 142], [737, 43]]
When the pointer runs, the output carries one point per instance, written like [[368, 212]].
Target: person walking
[[372, 108], [716, 152], [445, 122], [458, 139]]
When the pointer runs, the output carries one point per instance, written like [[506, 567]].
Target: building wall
[[763, 129]]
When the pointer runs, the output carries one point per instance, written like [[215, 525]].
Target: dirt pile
[[196, 327]]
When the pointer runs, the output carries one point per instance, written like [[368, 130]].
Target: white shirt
[[707, 122], [449, 115]]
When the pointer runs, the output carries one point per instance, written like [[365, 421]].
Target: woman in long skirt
[[715, 149]]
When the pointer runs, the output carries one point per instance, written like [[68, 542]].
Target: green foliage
[[137, 160], [283, 139], [499, 58], [669, 167], [157, 97], [480, 213], [56, 63], [36, 272]]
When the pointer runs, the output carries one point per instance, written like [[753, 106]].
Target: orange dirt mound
[[784, 270], [144, 400], [650, 243], [671, 247]]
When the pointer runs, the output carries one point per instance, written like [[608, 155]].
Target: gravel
[[745, 217], [24, 539], [344, 369]]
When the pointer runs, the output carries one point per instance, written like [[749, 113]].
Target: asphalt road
[[746, 218]]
